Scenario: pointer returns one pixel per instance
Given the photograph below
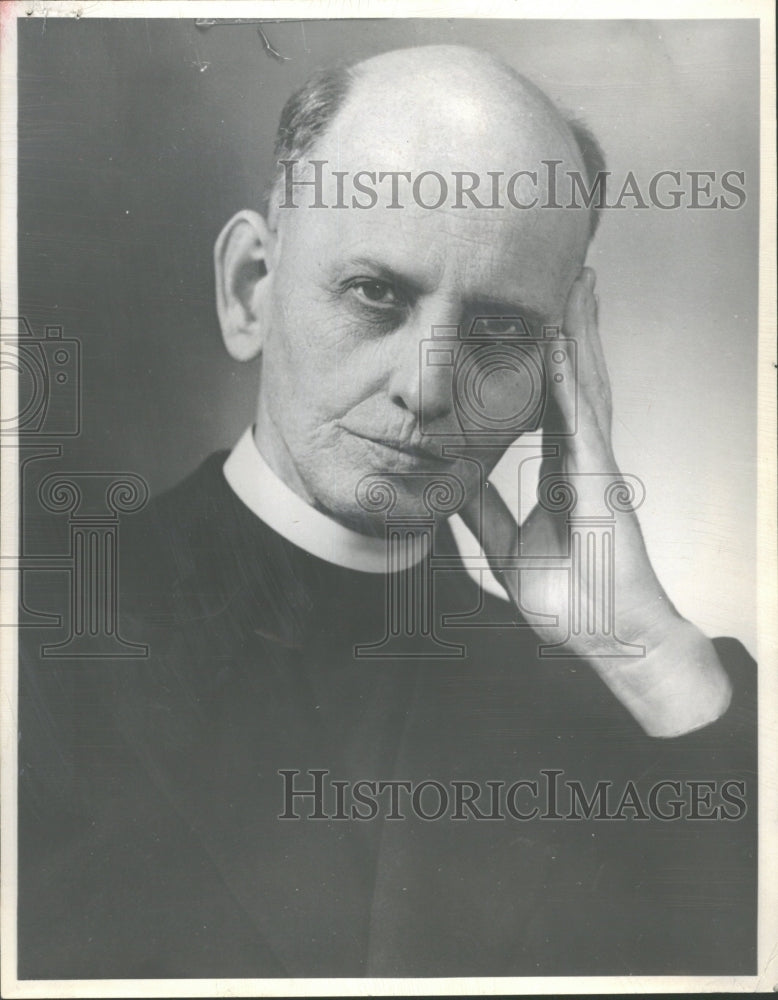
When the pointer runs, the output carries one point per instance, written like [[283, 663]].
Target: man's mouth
[[419, 453]]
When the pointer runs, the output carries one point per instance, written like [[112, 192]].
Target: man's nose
[[422, 368]]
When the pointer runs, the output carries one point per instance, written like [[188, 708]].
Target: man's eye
[[501, 326], [375, 292]]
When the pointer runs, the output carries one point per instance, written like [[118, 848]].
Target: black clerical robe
[[151, 790]]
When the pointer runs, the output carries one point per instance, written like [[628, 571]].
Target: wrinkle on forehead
[[459, 254]]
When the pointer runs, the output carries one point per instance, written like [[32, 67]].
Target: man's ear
[[243, 260]]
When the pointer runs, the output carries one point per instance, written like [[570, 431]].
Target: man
[[264, 796]]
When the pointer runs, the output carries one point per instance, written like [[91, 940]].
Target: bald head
[[459, 94], [440, 105]]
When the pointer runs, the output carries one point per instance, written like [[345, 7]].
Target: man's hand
[[678, 685]]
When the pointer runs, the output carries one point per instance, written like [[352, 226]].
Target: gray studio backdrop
[[139, 138]]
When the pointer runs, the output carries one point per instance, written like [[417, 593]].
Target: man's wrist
[[677, 687]]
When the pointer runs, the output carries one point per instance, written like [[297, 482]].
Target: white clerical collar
[[285, 512], [267, 496]]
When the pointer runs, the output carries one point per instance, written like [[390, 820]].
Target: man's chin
[[376, 483], [383, 496]]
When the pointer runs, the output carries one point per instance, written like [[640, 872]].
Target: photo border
[[767, 501]]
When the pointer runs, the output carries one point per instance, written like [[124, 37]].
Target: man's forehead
[[479, 257], [449, 104]]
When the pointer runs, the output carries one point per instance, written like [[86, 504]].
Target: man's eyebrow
[[407, 282]]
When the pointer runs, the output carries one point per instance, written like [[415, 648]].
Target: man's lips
[[413, 451]]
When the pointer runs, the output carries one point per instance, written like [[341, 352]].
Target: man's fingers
[[492, 522], [590, 380], [580, 326]]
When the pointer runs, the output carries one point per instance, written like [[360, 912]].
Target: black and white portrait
[[384, 423]]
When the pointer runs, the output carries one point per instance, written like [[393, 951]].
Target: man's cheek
[[317, 329]]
